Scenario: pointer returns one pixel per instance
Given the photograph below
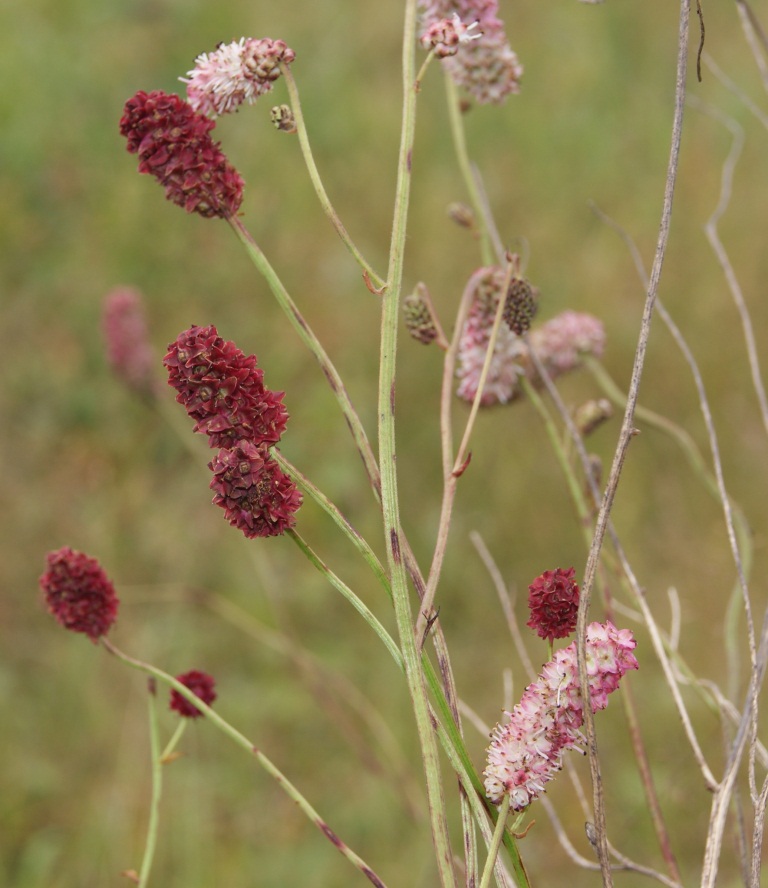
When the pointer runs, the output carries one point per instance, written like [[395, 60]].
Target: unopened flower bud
[[591, 414], [417, 309], [283, 119], [462, 215], [553, 599]]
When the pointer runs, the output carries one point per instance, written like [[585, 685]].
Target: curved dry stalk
[[756, 38]]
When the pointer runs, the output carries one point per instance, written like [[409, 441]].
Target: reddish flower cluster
[[223, 390], [446, 35], [553, 599], [125, 333], [486, 67], [235, 73], [526, 752], [78, 593], [174, 145], [201, 684], [256, 495]]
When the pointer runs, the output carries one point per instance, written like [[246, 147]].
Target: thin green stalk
[[352, 598], [313, 344], [293, 92], [486, 228], [157, 790], [389, 491], [242, 741], [498, 834]]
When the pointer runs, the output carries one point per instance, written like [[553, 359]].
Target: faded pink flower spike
[[125, 333], [223, 389], [174, 145], [235, 73], [257, 497], [78, 593], [201, 684], [487, 67], [553, 599], [561, 341], [526, 752], [446, 35]]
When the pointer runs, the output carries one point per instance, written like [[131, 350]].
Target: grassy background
[[86, 465]]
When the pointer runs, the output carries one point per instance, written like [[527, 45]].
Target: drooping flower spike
[[235, 73], [223, 390], [526, 752], [486, 67], [174, 145], [78, 593], [201, 684]]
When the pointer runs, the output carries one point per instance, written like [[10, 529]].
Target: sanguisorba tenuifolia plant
[[497, 352]]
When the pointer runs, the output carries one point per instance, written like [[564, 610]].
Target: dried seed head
[[419, 321], [521, 305], [283, 119]]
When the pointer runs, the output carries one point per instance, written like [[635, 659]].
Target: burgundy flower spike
[[554, 602], [223, 390], [79, 594], [201, 684], [174, 145], [255, 494]]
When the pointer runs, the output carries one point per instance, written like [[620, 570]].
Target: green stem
[[498, 834], [313, 344], [352, 598], [389, 491], [242, 741], [174, 741], [157, 789], [301, 128]]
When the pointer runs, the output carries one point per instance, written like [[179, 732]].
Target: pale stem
[[157, 789], [498, 834], [314, 175]]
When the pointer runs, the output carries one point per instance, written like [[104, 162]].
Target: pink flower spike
[[125, 333], [201, 684], [79, 594], [235, 73], [526, 752]]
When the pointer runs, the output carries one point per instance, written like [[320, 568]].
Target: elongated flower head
[[223, 389], [553, 599], [256, 495], [520, 306], [235, 73], [201, 684], [174, 145], [78, 593], [505, 368], [125, 334], [526, 751], [486, 67], [417, 311]]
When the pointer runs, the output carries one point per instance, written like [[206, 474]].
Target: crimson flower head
[[554, 602], [174, 145], [201, 684], [223, 390], [78, 593], [256, 495]]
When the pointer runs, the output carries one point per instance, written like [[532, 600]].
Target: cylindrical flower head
[[486, 67], [417, 312], [235, 73], [526, 752], [78, 593], [174, 145], [257, 497], [553, 599], [521, 305], [506, 366], [201, 684], [223, 390], [125, 333]]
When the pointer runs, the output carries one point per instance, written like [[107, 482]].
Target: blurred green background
[[87, 465]]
